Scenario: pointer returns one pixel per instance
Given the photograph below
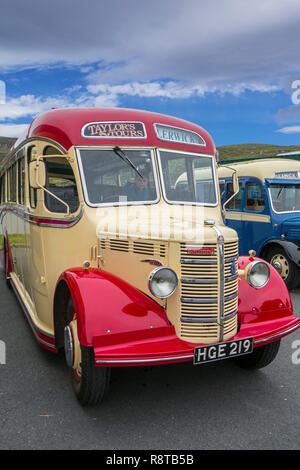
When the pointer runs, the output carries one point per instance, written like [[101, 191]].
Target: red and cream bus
[[116, 248]]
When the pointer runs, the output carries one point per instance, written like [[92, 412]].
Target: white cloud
[[28, 105], [12, 130], [172, 89], [289, 130]]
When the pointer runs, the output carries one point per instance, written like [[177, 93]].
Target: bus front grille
[[208, 312]]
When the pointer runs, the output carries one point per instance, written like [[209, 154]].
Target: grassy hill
[[239, 151], [5, 144], [227, 152]]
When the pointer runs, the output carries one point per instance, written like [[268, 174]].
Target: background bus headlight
[[163, 282], [258, 274]]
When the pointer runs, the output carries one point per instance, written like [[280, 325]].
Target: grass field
[[240, 151]]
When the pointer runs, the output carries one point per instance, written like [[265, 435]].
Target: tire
[[90, 383], [260, 357], [287, 268]]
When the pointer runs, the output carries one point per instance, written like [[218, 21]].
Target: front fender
[[268, 308], [108, 309]]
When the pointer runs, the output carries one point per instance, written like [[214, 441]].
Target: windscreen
[[285, 197], [188, 177], [114, 175]]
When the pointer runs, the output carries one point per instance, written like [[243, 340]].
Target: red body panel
[[64, 127], [125, 327]]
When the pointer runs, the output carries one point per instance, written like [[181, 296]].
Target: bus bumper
[[165, 347]]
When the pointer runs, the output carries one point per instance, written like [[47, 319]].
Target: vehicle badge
[[154, 262], [220, 240]]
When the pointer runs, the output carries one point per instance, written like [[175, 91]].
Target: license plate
[[216, 352]]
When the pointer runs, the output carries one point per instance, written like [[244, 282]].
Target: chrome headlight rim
[[152, 276], [251, 266]]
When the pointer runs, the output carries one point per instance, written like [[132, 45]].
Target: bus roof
[[262, 169], [74, 126]]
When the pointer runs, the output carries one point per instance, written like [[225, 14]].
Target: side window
[[1, 189], [254, 197], [236, 202], [21, 180], [32, 191], [60, 181], [13, 183], [8, 184]]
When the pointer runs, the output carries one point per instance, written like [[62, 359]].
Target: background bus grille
[[200, 292]]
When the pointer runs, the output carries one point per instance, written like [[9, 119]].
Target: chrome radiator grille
[[208, 313]]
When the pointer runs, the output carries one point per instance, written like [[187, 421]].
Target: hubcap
[[280, 263]]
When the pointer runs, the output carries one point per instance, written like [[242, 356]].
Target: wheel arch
[[291, 249]]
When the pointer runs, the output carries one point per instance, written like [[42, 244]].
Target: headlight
[[163, 282], [258, 274]]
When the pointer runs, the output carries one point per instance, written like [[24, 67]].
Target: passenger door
[[233, 210], [257, 226]]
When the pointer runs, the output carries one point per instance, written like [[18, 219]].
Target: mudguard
[[108, 307], [265, 309]]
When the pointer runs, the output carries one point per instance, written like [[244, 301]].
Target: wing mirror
[[37, 174]]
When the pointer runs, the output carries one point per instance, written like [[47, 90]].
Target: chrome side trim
[[25, 215], [278, 335], [139, 361]]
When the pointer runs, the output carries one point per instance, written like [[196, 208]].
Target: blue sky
[[228, 66]]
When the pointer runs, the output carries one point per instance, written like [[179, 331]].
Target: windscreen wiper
[[280, 190], [124, 157]]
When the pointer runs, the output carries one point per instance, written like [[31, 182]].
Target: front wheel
[[89, 383], [283, 264], [260, 357]]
